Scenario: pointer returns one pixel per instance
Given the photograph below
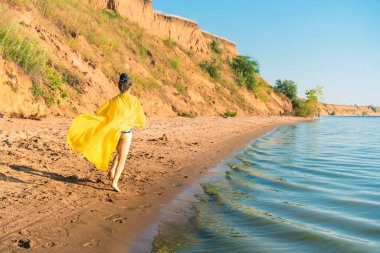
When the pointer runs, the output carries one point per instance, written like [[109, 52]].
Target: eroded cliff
[[185, 32], [348, 110], [69, 53]]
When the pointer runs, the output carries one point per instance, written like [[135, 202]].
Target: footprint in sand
[[92, 242], [117, 218], [49, 245], [25, 232]]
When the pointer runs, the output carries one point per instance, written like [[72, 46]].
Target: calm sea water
[[309, 187]]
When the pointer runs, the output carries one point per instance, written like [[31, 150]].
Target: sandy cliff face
[[185, 32], [15, 96], [86, 48], [330, 109], [87, 57]]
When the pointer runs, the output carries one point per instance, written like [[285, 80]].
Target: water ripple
[[310, 187]]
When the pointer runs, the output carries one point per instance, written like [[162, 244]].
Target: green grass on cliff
[[113, 44], [112, 37], [18, 46]]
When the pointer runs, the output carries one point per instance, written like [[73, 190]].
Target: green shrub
[[302, 110], [54, 79], [64, 94], [262, 96], [230, 114], [49, 99], [181, 88], [143, 52], [310, 106], [212, 68], [287, 87], [247, 81], [187, 114], [189, 53], [372, 108], [92, 37], [245, 64], [112, 14], [175, 63], [170, 43], [16, 46], [37, 91], [296, 103], [244, 68], [125, 30], [333, 113], [69, 77], [214, 45]]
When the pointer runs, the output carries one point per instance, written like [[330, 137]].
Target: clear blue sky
[[334, 43]]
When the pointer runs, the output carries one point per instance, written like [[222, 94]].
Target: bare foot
[[114, 186], [111, 174]]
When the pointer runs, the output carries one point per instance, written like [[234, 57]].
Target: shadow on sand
[[6, 178], [49, 175]]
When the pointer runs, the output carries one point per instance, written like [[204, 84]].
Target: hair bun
[[123, 78]]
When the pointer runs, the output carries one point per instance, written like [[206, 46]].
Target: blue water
[[309, 187]]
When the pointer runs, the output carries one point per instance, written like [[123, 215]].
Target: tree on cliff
[[244, 68], [310, 106], [287, 87]]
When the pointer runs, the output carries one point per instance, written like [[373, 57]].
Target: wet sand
[[53, 200]]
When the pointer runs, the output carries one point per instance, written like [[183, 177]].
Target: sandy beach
[[53, 200]]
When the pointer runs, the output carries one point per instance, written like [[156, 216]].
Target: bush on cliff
[[244, 68], [175, 63], [215, 47], [287, 87], [372, 108], [310, 106], [20, 47], [228, 114], [212, 68], [170, 43]]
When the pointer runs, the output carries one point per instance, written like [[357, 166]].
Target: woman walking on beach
[[97, 136]]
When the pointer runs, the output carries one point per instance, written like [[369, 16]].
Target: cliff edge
[[185, 32], [63, 58], [348, 110]]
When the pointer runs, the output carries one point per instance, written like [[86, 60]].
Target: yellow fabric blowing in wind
[[97, 136]]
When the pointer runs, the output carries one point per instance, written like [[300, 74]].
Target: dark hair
[[124, 82]]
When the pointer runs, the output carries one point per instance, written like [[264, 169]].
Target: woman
[[97, 136]]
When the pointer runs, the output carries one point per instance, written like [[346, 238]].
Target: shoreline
[[148, 234], [89, 216]]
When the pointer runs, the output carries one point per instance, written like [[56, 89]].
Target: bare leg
[[122, 149], [111, 172]]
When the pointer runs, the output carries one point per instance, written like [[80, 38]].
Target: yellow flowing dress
[[97, 136]]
